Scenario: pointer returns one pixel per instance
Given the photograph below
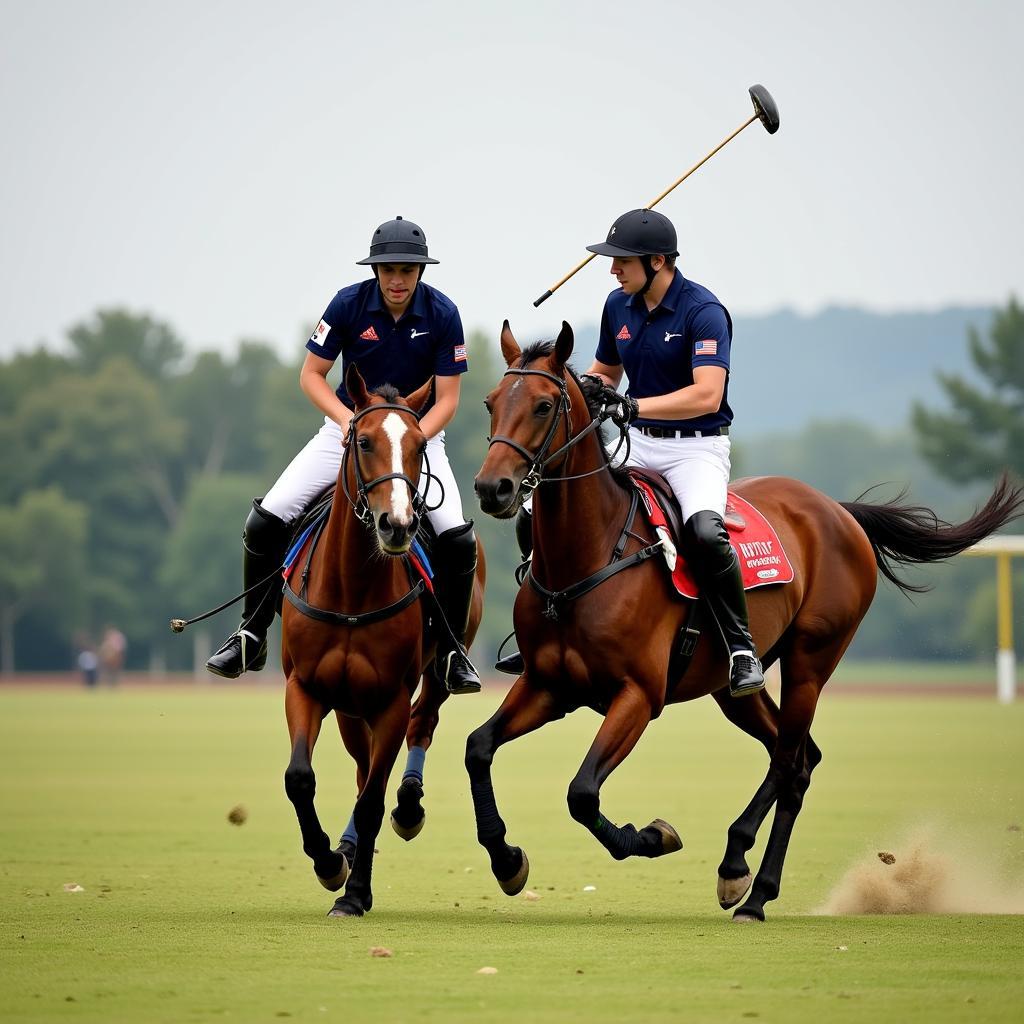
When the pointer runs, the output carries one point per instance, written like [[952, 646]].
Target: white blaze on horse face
[[401, 508]]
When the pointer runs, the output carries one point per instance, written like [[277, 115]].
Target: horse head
[[384, 451], [532, 410]]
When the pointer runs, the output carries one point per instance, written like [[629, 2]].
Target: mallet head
[[764, 106]]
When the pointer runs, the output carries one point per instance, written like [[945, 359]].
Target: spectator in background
[[88, 664], [111, 654]]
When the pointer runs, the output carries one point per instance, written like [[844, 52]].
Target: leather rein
[[556, 600], [361, 507]]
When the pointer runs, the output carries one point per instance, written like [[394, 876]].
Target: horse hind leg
[[408, 816], [795, 757], [624, 723], [305, 715], [757, 716]]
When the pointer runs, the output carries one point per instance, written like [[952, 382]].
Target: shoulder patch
[[459, 353], [707, 347], [319, 336]]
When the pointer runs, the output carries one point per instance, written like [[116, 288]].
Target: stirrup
[[471, 678]]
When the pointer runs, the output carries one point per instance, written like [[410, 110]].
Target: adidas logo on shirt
[[624, 334], [369, 335]]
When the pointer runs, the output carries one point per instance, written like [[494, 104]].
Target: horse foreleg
[[524, 709], [388, 731], [356, 736], [624, 723], [408, 817], [305, 715], [792, 762], [758, 717]]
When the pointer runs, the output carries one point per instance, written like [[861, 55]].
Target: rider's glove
[[622, 409]]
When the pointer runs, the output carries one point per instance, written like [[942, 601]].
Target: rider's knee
[[261, 527], [708, 537], [459, 547]]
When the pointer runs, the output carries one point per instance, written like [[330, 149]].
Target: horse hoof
[[514, 885], [334, 883], [408, 833], [748, 915], [345, 907], [732, 890], [670, 841]]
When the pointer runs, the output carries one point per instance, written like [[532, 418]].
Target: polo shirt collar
[[671, 300]]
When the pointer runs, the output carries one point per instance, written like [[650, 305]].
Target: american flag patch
[[319, 336], [707, 347], [460, 353]]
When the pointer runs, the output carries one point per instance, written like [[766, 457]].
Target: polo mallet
[[765, 111]]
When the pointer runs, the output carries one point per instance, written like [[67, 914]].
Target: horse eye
[[364, 443], [543, 408]]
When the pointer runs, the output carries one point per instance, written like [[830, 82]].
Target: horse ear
[[563, 345], [356, 387], [509, 346], [419, 397]]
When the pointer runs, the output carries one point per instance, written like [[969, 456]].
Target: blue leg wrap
[[414, 763], [350, 834]]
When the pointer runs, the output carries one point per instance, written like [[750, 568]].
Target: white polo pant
[[316, 467], [697, 468]]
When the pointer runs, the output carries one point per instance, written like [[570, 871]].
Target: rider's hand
[[621, 409]]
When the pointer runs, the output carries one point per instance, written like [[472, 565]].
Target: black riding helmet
[[398, 241], [643, 233]]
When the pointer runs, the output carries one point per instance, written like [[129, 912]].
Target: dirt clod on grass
[[885, 857], [238, 815], [380, 951]]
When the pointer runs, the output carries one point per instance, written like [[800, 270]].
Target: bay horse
[[611, 647], [354, 639]]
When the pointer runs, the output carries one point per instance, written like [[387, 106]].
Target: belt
[[670, 432]]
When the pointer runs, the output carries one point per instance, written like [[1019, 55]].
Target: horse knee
[[479, 752], [584, 803], [299, 783]]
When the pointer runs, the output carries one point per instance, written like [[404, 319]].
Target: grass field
[[185, 917]]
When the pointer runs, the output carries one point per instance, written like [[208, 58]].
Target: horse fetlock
[[479, 752]]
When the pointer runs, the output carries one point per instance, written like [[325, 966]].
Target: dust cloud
[[934, 873]]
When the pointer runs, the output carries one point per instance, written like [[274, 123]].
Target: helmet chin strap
[[649, 273]]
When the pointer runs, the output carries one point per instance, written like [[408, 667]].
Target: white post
[[1006, 676]]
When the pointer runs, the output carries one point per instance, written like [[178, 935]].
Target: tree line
[[127, 465]]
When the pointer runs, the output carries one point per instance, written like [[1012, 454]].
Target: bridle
[[360, 504], [539, 460]]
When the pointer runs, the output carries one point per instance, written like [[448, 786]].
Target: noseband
[[360, 504], [539, 460]]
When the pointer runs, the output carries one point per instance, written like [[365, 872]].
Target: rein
[[555, 600]]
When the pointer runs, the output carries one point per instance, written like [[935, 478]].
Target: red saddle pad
[[763, 560]]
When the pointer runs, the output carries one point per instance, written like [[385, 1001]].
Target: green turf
[[185, 917]]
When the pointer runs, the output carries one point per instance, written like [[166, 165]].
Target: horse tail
[[914, 535]]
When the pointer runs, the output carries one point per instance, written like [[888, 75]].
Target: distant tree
[[983, 433], [202, 561], [151, 346], [42, 564]]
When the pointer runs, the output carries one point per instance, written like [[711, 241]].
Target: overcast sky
[[222, 165]]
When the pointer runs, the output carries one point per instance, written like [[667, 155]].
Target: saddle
[[762, 559]]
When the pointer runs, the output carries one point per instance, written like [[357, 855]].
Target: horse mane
[[389, 393], [591, 393]]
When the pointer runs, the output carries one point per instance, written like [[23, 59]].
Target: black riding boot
[[454, 573], [513, 663], [264, 545], [718, 573]]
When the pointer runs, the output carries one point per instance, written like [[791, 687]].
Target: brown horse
[[610, 648], [355, 642]]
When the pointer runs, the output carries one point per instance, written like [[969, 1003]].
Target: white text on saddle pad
[[401, 509]]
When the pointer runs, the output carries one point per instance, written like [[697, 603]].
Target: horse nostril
[[505, 491], [384, 524]]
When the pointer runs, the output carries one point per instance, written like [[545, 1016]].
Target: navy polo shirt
[[659, 348], [426, 340]]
